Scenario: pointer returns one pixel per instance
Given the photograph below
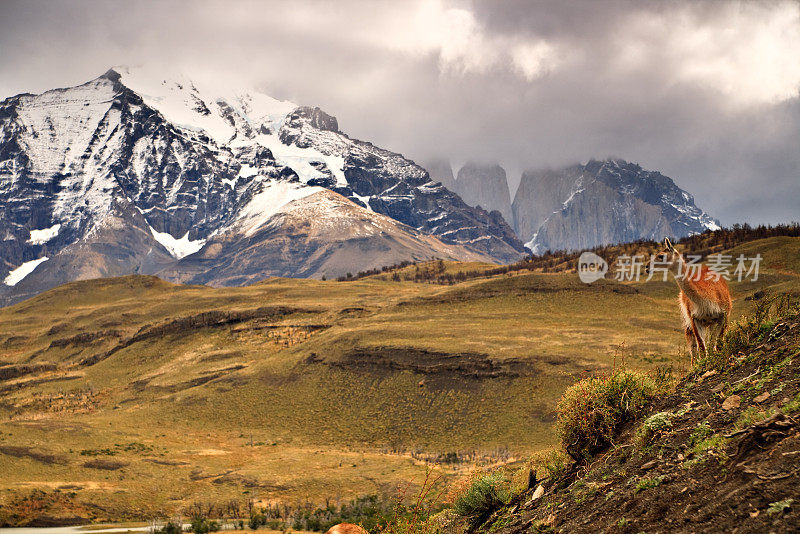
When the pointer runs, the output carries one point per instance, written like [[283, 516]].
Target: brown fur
[[346, 528], [705, 304]]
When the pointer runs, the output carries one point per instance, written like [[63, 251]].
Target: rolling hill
[[130, 397]]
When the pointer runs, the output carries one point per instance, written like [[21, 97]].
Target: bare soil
[[722, 465]]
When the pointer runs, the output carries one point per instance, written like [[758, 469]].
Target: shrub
[[551, 463], [256, 520], [659, 422], [172, 527], [481, 498], [422, 514], [593, 410], [202, 526]]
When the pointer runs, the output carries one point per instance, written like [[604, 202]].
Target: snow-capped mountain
[[317, 234], [174, 165], [602, 202]]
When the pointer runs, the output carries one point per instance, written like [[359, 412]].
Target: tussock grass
[[485, 494], [751, 328], [592, 411]]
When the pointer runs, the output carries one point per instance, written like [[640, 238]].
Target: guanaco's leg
[[689, 334], [722, 329], [699, 337]]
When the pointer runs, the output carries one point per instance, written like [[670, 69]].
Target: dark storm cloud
[[705, 92]]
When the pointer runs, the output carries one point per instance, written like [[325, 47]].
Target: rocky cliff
[[602, 202], [485, 186]]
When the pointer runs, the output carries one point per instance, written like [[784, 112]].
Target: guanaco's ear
[[668, 244]]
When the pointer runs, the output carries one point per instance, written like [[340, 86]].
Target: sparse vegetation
[[779, 507], [792, 406], [750, 328], [646, 483], [751, 416]]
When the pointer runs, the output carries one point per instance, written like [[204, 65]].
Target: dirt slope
[[723, 455]]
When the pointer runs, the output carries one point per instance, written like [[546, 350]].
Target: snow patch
[[300, 159], [40, 237], [532, 246], [178, 248], [364, 199], [17, 275], [247, 171], [273, 196], [201, 107], [569, 199]]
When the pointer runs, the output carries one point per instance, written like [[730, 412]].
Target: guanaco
[[704, 301]]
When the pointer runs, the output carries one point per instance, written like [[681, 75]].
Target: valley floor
[[131, 398]]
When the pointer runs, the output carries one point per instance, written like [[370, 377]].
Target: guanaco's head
[[670, 252]]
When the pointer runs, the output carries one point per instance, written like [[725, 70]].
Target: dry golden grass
[[343, 394]]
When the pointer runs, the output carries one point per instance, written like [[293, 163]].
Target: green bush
[[653, 425], [203, 526], [486, 494], [256, 520], [551, 463], [170, 528], [592, 411]]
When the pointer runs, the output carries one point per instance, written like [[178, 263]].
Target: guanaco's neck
[[682, 277]]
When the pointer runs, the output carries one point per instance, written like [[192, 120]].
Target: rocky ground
[[721, 454]]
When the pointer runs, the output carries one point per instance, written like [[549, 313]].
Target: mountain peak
[[111, 74], [603, 202], [485, 185], [193, 160]]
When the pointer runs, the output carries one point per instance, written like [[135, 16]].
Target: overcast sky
[[705, 92]]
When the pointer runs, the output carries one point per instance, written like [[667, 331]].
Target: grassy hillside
[[716, 454], [124, 398]]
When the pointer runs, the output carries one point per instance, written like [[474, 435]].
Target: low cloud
[[706, 92]]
